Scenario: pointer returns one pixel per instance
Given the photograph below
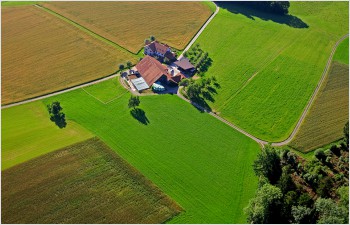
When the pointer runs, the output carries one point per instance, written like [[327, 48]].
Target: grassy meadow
[[330, 111], [82, 183], [267, 65], [128, 24], [106, 91], [42, 53], [27, 132]]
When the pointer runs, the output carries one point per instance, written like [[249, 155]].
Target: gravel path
[[199, 32]]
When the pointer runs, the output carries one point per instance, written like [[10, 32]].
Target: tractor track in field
[[301, 119]]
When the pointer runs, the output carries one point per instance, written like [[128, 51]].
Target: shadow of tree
[[140, 115], [238, 8]]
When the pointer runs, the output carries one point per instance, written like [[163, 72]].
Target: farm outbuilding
[[184, 64], [140, 84]]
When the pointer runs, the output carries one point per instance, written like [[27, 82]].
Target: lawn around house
[[27, 132], [212, 181], [42, 53], [271, 69], [128, 24], [89, 175]]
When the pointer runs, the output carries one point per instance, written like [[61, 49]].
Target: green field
[[106, 91], [200, 162], [328, 114], [342, 53], [82, 183], [27, 132], [268, 70]]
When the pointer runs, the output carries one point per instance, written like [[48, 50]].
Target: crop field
[[328, 114], [106, 91], [42, 53], [128, 24], [212, 180], [82, 183], [27, 132], [267, 69]]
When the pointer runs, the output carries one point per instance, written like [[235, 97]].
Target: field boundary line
[[98, 80], [86, 30], [199, 31], [93, 96]]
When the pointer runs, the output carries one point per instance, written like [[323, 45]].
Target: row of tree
[[294, 190], [199, 58]]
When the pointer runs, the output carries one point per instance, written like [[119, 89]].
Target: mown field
[[82, 183], [42, 53], [268, 69], [27, 132], [330, 111], [106, 91], [200, 162], [130, 23]]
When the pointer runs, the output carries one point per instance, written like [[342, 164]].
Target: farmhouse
[[155, 48], [151, 71]]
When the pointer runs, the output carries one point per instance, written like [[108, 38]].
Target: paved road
[[199, 32], [60, 92], [306, 109]]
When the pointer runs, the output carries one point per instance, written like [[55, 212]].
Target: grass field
[[82, 183], [267, 69], [27, 132], [342, 53], [42, 53], [106, 91], [129, 23], [200, 162]]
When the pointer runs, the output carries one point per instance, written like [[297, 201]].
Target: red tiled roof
[[151, 70], [158, 47], [184, 63]]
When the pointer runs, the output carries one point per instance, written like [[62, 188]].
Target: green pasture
[[27, 132], [268, 69], [200, 162], [106, 91], [342, 53]]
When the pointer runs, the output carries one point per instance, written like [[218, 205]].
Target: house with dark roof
[[184, 64], [151, 70]]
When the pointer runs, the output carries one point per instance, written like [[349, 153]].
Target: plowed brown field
[[42, 53], [129, 23]]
